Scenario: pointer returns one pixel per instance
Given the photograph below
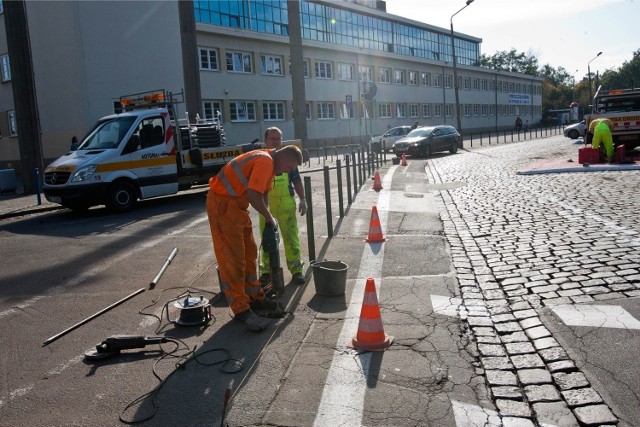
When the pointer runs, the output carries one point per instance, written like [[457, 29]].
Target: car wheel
[[121, 197], [573, 134], [427, 151], [454, 147]]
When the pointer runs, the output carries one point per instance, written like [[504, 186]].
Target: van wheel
[[121, 197], [454, 147]]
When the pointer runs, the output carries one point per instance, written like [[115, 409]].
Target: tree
[[511, 61], [627, 77]]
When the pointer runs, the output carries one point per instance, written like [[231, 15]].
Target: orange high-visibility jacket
[[252, 170]]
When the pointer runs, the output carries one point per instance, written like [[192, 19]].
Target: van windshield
[[107, 133]]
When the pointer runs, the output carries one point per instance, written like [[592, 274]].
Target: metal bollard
[[348, 169], [36, 172], [327, 201], [340, 197], [310, 233]]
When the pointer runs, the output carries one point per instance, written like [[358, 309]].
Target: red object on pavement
[[588, 155], [619, 155]]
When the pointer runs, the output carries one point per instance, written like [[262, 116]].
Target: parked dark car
[[426, 140]]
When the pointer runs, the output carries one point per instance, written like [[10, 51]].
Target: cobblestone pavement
[[521, 243]]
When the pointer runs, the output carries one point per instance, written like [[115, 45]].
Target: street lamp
[[573, 94], [455, 71], [589, 74]]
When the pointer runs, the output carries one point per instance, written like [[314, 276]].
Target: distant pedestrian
[[518, 123]]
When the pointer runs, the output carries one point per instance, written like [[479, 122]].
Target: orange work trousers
[[235, 250]]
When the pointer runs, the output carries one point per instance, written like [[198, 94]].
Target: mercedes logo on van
[[54, 178]]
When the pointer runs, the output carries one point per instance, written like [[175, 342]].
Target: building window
[[399, 77], [270, 64], [345, 72], [323, 70], [273, 110], [413, 78], [211, 109], [483, 84], [447, 81], [492, 110], [448, 110], [426, 110], [425, 79], [6, 69], [475, 83], [208, 59], [384, 111], [366, 73], [483, 108], [13, 124], [239, 62], [384, 75], [307, 110], [437, 81], [347, 111], [401, 111], [306, 66], [326, 110], [413, 110], [437, 110], [467, 83], [467, 110], [242, 111]]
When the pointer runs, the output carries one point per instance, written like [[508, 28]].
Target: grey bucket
[[330, 277]]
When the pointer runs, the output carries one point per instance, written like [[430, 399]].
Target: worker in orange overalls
[[282, 204], [244, 181], [601, 130]]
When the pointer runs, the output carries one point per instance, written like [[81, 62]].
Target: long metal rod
[[88, 319], [164, 267]]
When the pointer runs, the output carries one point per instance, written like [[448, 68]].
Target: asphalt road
[[477, 282]]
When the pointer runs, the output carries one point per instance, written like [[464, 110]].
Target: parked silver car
[[575, 130], [389, 137]]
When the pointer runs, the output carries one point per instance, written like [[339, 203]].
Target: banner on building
[[519, 99]]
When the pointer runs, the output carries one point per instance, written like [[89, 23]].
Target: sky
[[561, 33]]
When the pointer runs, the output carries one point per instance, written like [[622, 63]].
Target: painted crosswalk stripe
[[600, 316]]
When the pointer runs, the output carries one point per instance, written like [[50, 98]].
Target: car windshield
[[420, 132], [107, 133]]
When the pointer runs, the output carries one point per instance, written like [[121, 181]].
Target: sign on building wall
[[519, 99]]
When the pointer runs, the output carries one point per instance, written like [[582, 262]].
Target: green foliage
[[559, 88]]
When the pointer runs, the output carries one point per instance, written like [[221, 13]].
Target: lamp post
[[455, 71], [573, 92], [589, 75]]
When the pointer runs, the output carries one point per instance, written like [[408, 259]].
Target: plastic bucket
[[330, 277]]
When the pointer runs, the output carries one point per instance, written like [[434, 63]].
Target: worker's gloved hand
[[302, 208], [272, 222]]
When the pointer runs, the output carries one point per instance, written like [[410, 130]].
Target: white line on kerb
[[343, 395]]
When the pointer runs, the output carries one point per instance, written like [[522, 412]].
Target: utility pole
[[297, 71], [190, 66], [24, 92]]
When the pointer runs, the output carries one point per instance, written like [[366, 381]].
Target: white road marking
[[342, 399], [468, 415], [601, 316]]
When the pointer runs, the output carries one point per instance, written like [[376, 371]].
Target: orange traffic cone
[[371, 336], [375, 229], [377, 185], [404, 160]]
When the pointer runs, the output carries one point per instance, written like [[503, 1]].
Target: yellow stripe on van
[[136, 164]]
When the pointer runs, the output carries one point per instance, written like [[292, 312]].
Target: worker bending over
[[244, 181], [601, 130], [282, 205]]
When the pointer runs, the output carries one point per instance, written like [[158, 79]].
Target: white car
[[389, 137], [575, 130]]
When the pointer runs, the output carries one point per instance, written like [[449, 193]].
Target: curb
[[27, 211]]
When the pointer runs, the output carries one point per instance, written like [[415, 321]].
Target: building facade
[[364, 70]]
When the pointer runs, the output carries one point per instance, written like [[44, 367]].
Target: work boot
[[252, 321], [268, 307], [298, 279]]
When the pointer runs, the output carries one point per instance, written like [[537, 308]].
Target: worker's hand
[[302, 208], [272, 222]]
